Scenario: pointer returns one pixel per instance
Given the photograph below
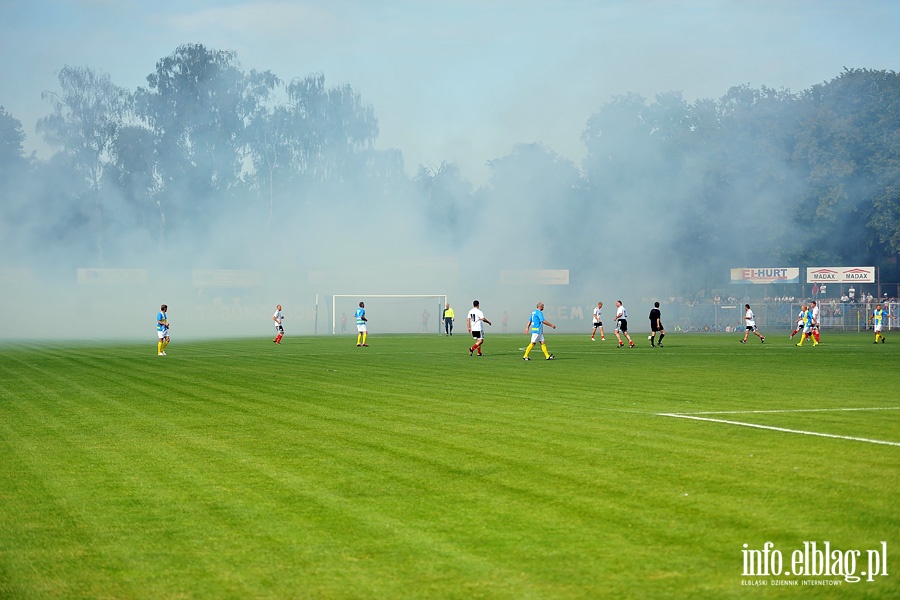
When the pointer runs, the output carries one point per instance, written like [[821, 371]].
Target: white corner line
[[782, 429]]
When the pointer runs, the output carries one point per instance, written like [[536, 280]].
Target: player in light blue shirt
[[877, 319], [535, 325], [162, 330], [806, 324], [361, 320]]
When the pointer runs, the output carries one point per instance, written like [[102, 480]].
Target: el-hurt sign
[[766, 275], [840, 275]]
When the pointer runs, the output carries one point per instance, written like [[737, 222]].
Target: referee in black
[[656, 326]]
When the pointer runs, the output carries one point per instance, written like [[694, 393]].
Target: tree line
[[758, 177]]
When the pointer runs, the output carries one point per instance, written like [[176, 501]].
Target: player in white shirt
[[474, 323], [750, 322], [279, 328], [598, 322], [622, 325]]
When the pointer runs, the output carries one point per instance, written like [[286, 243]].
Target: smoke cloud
[[508, 153]]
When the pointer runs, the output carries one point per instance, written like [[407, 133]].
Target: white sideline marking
[[782, 429], [785, 410]]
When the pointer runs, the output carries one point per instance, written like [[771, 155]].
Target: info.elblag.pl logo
[[816, 560]]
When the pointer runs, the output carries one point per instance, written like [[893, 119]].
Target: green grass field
[[238, 469]]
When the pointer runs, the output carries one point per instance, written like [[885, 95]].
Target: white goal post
[[403, 301]]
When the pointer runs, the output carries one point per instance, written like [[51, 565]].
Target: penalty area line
[[781, 429]]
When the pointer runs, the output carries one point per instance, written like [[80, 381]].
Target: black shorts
[[751, 328], [654, 328], [622, 325], [477, 334], [598, 324]]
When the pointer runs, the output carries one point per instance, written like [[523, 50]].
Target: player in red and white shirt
[[622, 325], [814, 313], [279, 328], [598, 322], [474, 323]]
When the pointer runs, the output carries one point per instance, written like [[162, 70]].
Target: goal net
[[387, 313]]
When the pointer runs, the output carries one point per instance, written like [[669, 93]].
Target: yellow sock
[[159, 347], [165, 343], [544, 350], [359, 338], [365, 335], [528, 350]]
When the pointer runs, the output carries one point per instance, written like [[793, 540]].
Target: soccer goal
[[389, 313]]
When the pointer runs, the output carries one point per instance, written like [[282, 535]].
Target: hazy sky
[[460, 80]]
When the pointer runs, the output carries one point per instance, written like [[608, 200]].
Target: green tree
[[318, 142], [268, 138], [197, 104], [536, 192], [133, 175], [87, 115], [446, 200], [331, 128], [14, 166], [849, 146], [12, 139]]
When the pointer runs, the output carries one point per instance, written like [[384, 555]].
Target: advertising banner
[[15, 275], [840, 275], [226, 278], [112, 276], [766, 275], [534, 277]]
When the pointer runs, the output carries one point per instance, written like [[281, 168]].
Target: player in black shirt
[[656, 325]]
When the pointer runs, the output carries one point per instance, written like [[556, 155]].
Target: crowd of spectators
[[847, 296], [702, 313]]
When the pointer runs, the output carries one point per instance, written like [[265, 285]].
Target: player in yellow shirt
[[448, 319]]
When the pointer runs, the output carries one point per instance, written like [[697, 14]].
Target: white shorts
[[361, 328], [537, 338], [877, 327], [164, 333]]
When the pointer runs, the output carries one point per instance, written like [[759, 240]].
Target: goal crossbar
[[363, 297]]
